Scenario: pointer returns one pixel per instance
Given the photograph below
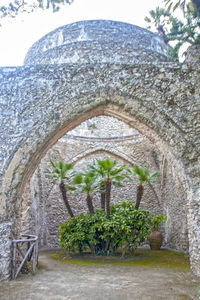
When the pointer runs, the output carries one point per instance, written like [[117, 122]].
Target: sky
[[18, 35]]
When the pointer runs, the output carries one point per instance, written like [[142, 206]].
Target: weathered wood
[[22, 255], [34, 259], [32, 251], [25, 240], [36, 247], [30, 255], [23, 261], [14, 260]]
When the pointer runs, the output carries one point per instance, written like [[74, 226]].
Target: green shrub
[[156, 221], [127, 228]]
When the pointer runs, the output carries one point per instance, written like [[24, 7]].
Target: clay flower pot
[[155, 240]]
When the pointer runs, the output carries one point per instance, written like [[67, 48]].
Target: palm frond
[[70, 188], [78, 179], [142, 174], [154, 175]]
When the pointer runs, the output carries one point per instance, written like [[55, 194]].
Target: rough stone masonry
[[94, 68], [44, 208]]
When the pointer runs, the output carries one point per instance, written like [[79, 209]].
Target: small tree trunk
[[90, 204], [64, 195], [103, 198], [108, 191], [80, 249], [140, 190], [107, 248]]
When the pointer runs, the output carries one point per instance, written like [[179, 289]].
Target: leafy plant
[[193, 5], [14, 7], [74, 234], [142, 175], [126, 228], [87, 183], [92, 126], [132, 226], [156, 221], [179, 31], [108, 174], [59, 173], [198, 292]]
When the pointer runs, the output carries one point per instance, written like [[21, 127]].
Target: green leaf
[[70, 188], [154, 175], [148, 20], [52, 163], [78, 179], [169, 7]]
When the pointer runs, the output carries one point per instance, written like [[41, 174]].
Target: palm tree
[[99, 172], [142, 175], [103, 197], [109, 174], [87, 183], [193, 5], [58, 173]]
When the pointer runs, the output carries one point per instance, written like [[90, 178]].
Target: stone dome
[[103, 128], [98, 41]]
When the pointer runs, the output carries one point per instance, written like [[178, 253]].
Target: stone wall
[[5, 250], [41, 119], [92, 41], [40, 103], [170, 114], [164, 97], [43, 203]]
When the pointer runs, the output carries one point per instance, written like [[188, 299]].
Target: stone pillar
[[192, 54], [5, 250], [194, 232], [193, 58]]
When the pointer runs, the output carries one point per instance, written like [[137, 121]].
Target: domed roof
[[97, 41]]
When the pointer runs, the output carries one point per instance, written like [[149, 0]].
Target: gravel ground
[[70, 281]]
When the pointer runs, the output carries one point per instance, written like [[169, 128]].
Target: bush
[[127, 228], [157, 221]]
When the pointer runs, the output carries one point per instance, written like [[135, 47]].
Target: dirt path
[[67, 281]]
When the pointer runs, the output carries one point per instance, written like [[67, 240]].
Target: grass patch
[[144, 258]]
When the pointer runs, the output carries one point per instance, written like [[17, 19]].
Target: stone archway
[[140, 127], [116, 155], [41, 103], [111, 110], [42, 209], [79, 146]]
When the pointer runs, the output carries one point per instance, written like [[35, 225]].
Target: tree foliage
[[126, 228], [53, 4], [109, 174], [61, 172], [156, 221], [193, 5], [103, 231], [142, 175], [12, 8], [87, 183], [181, 30], [99, 178]]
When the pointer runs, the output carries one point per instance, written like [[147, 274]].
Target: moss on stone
[[143, 258]]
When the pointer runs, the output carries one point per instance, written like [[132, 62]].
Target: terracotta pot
[[155, 240]]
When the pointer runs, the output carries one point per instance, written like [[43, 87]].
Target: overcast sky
[[17, 35]]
